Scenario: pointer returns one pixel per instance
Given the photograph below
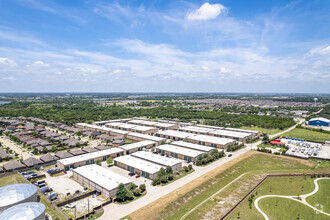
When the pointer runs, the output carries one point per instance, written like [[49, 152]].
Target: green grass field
[[321, 200], [257, 163], [307, 135], [16, 178], [290, 186], [281, 208], [263, 130]]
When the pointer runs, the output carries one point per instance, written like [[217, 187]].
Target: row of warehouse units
[[90, 158], [20, 201]]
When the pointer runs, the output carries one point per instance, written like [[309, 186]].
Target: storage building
[[138, 166], [182, 153], [144, 129], [238, 136], [142, 137], [160, 160], [25, 211], [138, 146], [210, 141], [89, 158], [173, 135], [319, 122], [192, 146], [100, 179]]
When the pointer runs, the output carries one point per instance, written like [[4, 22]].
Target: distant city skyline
[[165, 46]]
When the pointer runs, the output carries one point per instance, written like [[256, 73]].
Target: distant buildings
[[319, 122]]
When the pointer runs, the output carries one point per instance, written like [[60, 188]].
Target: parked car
[[52, 196], [229, 155], [137, 176], [45, 189], [131, 174]]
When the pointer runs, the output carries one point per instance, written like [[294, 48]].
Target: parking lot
[[306, 149], [63, 184]]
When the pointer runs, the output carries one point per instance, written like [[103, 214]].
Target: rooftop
[[137, 145], [164, 161], [139, 164], [197, 129], [230, 133], [320, 119], [192, 146], [102, 176], [142, 128], [180, 150], [178, 134], [212, 139], [90, 156]]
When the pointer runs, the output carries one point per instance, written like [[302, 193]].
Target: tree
[[131, 186], [155, 181], [142, 187], [137, 192], [109, 160], [35, 151], [44, 150], [121, 192], [265, 139], [169, 170], [190, 167], [186, 169], [98, 162], [161, 172], [54, 148]]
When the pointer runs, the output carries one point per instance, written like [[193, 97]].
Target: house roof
[[32, 161], [13, 165], [63, 154], [48, 158], [77, 152], [89, 149], [101, 147]]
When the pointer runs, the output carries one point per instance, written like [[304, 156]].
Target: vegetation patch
[[321, 199], [308, 135]]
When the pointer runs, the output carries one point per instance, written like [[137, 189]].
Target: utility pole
[[88, 205], [75, 212]]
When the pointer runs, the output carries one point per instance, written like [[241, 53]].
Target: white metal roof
[[143, 128], [211, 139], [178, 134], [193, 146], [242, 130], [127, 126], [105, 129], [230, 133], [90, 156], [320, 119], [146, 136], [197, 129], [114, 124], [149, 123], [140, 164], [180, 150], [24, 211], [164, 125], [155, 158], [15, 193], [135, 121], [102, 176], [137, 145]]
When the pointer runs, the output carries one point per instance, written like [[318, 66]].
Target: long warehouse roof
[[180, 150], [178, 134], [102, 176], [197, 129], [140, 164], [230, 133], [155, 158], [146, 136], [106, 129], [192, 146], [212, 139], [90, 156], [137, 145]]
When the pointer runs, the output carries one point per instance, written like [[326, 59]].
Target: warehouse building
[[100, 179], [109, 131], [253, 133], [144, 129], [126, 127], [238, 136], [148, 123], [182, 153], [142, 137], [196, 130], [135, 122], [192, 146], [114, 125], [15, 194], [319, 122], [89, 158], [173, 135], [210, 141], [157, 159], [138, 146], [166, 126], [138, 166], [100, 123]]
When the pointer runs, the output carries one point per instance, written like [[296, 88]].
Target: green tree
[[98, 162], [121, 193], [35, 151], [109, 160], [131, 186], [44, 150], [142, 187], [169, 170]]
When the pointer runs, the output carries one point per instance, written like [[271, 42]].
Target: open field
[[321, 200], [16, 178], [263, 130], [281, 208], [178, 203], [307, 135]]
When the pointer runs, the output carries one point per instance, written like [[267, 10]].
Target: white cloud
[[37, 64], [206, 12], [7, 62]]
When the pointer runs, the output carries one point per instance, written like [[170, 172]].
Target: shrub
[[170, 177], [198, 162], [190, 167], [186, 169], [169, 170], [98, 162], [142, 187], [156, 181], [121, 193], [137, 192], [130, 195], [109, 160], [164, 179], [131, 186]]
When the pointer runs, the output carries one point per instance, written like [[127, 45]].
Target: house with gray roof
[[13, 165], [32, 161]]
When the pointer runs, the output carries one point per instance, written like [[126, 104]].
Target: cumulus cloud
[[206, 12], [7, 62], [38, 64]]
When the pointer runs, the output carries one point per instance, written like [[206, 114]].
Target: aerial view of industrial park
[[154, 110]]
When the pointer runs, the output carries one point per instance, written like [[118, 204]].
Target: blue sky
[[165, 46]]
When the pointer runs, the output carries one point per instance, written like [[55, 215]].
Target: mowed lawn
[[281, 208], [263, 130], [321, 200], [307, 135], [287, 186], [16, 178], [259, 163]]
